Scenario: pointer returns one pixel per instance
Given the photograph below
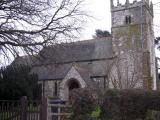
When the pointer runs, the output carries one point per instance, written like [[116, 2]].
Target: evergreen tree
[[17, 81], [101, 33]]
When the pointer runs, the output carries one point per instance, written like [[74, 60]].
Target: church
[[126, 59]]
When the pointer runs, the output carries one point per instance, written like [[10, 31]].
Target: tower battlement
[[116, 5]]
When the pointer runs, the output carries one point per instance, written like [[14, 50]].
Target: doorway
[[73, 84]]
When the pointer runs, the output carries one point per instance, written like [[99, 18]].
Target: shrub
[[152, 115], [110, 105], [96, 113], [84, 101], [129, 104]]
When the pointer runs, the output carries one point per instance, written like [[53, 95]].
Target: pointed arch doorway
[[73, 84], [68, 86], [72, 80]]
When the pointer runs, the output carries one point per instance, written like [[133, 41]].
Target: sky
[[100, 10]]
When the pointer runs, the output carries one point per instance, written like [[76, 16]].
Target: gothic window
[[55, 89], [128, 19]]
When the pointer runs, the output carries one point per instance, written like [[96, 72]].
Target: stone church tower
[[132, 30], [124, 60]]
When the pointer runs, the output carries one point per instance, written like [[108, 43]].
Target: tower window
[[128, 19]]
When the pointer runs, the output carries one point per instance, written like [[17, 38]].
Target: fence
[[33, 110], [23, 109]]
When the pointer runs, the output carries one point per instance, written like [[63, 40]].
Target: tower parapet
[[128, 5]]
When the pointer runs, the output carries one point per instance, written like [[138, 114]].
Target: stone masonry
[[93, 63]]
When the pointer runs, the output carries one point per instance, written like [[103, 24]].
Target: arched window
[[128, 19]]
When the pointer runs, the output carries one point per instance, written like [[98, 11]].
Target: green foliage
[[16, 81], [127, 104], [110, 110], [133, 102], [152, 115], [83, 102], [96, 113]]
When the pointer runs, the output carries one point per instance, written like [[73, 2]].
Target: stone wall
[[136, 35]]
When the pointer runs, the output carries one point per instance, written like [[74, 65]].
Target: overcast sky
[[100, 9]]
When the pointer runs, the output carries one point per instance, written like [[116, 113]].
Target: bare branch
[[126, 71], [27, 24]]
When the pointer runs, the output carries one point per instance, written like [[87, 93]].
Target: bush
[[129, 104], [96, 113], [110, 105], [84, 101], [152, 115]]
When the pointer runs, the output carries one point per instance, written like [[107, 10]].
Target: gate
[[59, 111], [23, 109]]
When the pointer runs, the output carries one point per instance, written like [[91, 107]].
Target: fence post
[[44, 109], [23, 111]]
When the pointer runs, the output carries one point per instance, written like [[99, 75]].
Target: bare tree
[[28, 25], [125, 71]]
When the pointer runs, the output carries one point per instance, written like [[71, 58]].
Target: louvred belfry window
[[128, 19]]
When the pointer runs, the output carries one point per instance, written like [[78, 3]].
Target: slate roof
[[52, 72], [67, 53], [85, 74], [65, 56], [78, 51]]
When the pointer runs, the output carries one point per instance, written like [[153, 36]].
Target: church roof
[[59, 71], [55, 61], [85, 73], [70, 52], [77, 51]]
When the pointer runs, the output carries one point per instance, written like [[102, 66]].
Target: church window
[[101, 81], [128, 19], [55, 89]]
